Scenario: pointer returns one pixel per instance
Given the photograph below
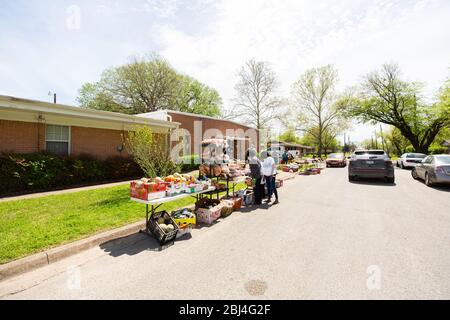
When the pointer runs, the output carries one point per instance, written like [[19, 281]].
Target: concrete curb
[[44, 258]]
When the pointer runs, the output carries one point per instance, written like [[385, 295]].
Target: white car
[[410, 160]]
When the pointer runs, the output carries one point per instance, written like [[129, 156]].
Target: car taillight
[[440, 170], [389, 163]]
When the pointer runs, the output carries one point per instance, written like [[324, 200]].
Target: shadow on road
[[437, 187], [131, 245], [441, 188], [253, 208], [373, 182]]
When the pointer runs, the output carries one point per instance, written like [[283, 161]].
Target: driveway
[[328, 239]]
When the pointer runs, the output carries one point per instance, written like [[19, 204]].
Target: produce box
[[157, 225], [156, 195], [184, 231], [278, 183], [227, 208], [146, 191], [174, 190], [208, 216], [206, 202], [237, 202], [184, 217], [248, 198]]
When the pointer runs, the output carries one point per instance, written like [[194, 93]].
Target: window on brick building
[[57, 139]]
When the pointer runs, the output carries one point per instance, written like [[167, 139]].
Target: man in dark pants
[[255, 173]]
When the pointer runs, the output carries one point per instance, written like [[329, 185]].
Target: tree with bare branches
[[256, 99], [318, 106]]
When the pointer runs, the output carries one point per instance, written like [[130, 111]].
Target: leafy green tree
[[92, 97], [289, 136], [147, 85], [385, 98], [396, 143], [318, 106], [329, 140], [195, 97]]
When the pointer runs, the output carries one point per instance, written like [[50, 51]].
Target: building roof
[[292, 145], [163, 114], [19, 109]]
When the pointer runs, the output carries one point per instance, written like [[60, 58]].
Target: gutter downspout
[[169, 143]]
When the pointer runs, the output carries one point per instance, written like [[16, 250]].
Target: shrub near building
[[39, 171]]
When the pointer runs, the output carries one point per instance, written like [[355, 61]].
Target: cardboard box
[[147, 191]]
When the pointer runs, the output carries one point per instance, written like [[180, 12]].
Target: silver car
[[371, 164], [410, 160], [433, 169]]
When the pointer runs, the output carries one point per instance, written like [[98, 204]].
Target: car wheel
[[428, 181], [401, 165], [414, 174], [390, 179]]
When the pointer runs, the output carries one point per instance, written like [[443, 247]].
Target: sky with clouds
[[49, 45]]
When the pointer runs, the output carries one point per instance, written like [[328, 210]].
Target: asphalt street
[[327, 239]]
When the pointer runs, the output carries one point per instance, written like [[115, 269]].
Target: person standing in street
[[269, 170], [285, 157], [255, 173]]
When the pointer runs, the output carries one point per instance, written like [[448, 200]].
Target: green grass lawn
[[32, 225]]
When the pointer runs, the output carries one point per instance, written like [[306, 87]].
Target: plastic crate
[[183, 222], [162, 236]]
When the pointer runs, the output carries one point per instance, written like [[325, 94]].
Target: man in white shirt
[[269, 170]]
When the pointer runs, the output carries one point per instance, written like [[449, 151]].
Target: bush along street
[[22, 173]]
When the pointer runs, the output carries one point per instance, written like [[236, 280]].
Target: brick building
[[28, 126], [194, 128]]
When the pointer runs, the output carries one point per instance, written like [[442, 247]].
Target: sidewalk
[[281, 175], [51, 193]]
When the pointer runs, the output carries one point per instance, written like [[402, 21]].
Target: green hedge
[[39, 171], [192, 163]]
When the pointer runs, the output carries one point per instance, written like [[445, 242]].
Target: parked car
[[433, 169], [410, 160], [336, 160], [371, 164]]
